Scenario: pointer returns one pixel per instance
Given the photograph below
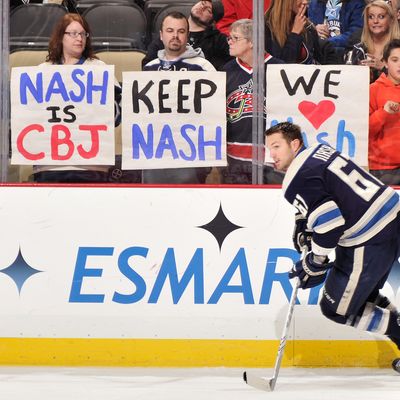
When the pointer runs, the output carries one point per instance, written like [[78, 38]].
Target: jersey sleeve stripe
[[321, 251], [325, 218], [381, 213]]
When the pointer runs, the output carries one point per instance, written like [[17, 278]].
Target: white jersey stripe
[[353, 281]]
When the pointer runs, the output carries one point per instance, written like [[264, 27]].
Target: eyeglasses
[[74, 35], [234, 39]]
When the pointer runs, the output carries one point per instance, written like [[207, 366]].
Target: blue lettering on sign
[[191, 279], [143, 142], [75, 78], [238, 263], [57, 87], [102, 88], [166, 143], [342, 139], [169, 270], [36, 90], [132, 275], [81, 271]]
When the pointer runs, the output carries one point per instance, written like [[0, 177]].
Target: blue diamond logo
[[19, 271]]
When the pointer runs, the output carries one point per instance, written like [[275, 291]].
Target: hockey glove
[[311, 270], [301, 235]]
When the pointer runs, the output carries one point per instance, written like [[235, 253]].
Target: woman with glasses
[[70, 45], [239, 104], [290, 35], [380, 27]]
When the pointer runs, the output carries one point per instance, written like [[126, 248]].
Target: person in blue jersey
[[341, 208], [239, 106], [177, 56]]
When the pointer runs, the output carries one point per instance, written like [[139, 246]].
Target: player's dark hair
[[393, 44], [289, 131]]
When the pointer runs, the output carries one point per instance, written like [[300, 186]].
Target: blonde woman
[[380, 27]]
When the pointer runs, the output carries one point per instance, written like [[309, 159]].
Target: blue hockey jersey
[[344, 204]]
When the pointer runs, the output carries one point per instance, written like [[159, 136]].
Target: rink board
[[150, 276]]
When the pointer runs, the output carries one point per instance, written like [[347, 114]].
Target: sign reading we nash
[[62, 115], [329, 102], [173, 119]]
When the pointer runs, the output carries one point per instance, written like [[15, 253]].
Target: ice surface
[[42, 383]]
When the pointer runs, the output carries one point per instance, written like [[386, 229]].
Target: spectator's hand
[[300, 20], [372, 61], [391, 107], [322, 30]]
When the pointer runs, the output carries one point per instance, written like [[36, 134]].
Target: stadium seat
[[31, 25], [27, 58], [117, 26], [128, 60], [156, 24], [82, 5], [152, 7]]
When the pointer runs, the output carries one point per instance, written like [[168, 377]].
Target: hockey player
[[345, 209]]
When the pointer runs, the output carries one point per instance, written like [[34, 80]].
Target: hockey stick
[[269, 384]]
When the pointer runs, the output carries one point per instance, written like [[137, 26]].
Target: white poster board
[[173, 119], [329, 102], [62, 115]]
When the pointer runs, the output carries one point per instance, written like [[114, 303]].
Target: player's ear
[[295, 145]]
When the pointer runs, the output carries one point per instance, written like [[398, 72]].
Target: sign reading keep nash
[[173, 119], [62, 115]]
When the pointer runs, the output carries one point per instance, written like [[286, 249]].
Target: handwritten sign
[[173, 119], [329, 102], [62, 115]]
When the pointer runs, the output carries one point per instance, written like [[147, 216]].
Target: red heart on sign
[[317, 114]]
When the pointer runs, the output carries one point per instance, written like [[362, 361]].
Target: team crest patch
[[240, 102]]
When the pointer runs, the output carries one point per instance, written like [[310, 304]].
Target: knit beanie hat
[[217, 9]]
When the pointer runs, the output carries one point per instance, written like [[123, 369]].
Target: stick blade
[[259, 382]]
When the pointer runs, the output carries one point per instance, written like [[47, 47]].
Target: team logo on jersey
[[240, 103]]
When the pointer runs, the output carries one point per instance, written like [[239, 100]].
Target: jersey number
[[364, 187]]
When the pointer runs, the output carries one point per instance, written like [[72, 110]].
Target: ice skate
[[396, 365]]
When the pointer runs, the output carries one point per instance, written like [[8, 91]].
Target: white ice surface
[[39, 383]]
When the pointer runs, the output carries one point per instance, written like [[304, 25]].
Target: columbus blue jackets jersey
[[343, 203], [239, 107]]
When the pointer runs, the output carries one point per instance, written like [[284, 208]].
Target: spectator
[[239, 104], [177, 56], [396, 8], [202, 34], [337, 20], [70, 44], [290, 35], [17, 3], [384, 119], [380, 27], [235, 10]]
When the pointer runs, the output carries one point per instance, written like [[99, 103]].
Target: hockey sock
[[371, 319], [393, 329], [383, 302]]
